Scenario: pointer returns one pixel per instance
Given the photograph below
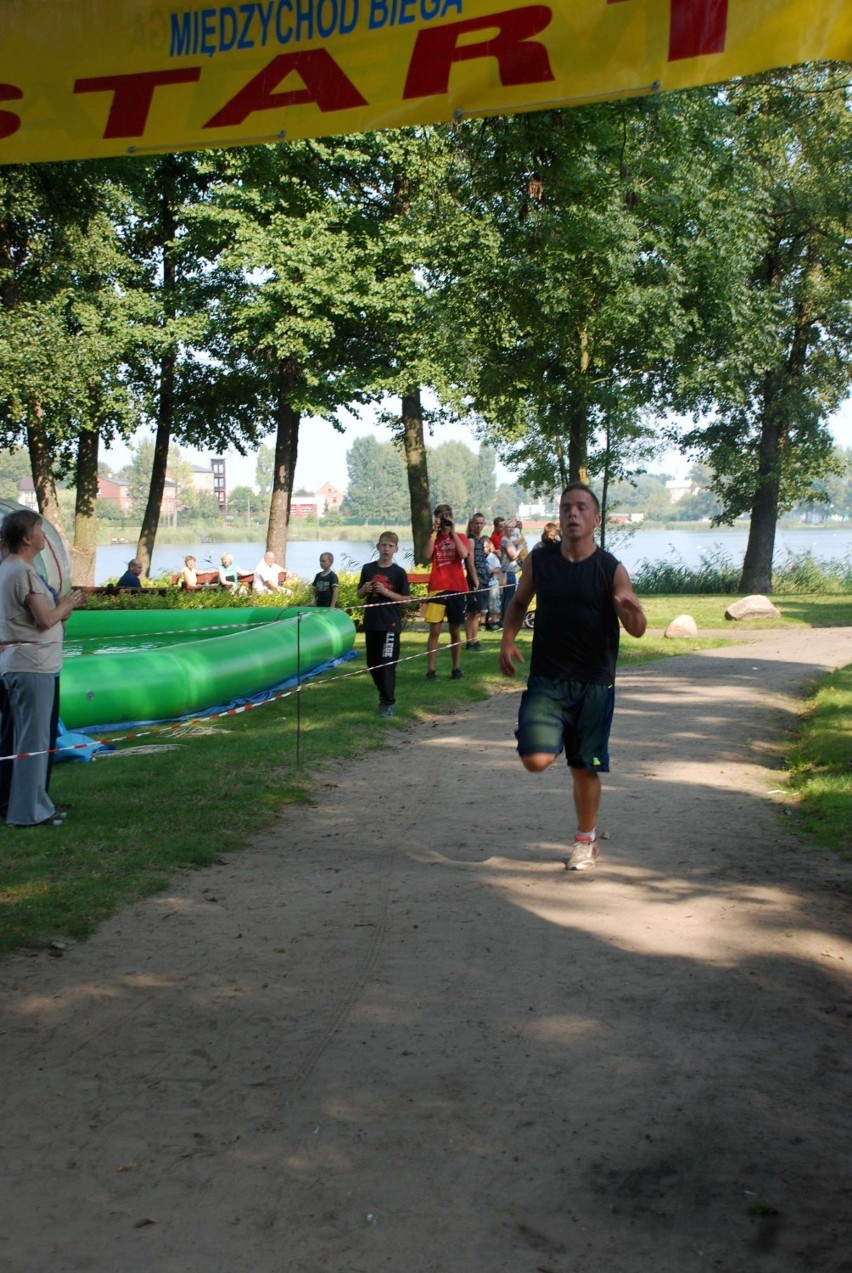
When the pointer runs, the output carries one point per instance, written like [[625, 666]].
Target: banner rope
[[242, 708]]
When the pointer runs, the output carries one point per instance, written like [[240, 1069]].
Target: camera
[[446, 523]]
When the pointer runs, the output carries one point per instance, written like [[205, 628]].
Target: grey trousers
[[30, 698]]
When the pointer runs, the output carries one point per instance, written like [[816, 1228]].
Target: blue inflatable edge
[[261, 697], [72, 745]]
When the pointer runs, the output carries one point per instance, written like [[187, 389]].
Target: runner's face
[[578, 516]]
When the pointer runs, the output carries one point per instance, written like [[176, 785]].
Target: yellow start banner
[[87, 78]]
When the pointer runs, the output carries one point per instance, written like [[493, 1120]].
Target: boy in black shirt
[[383, 580], [326, 583]]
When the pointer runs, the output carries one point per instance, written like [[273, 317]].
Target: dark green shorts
[[566, 714]]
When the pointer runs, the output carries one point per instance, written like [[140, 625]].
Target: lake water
[[690, 546]]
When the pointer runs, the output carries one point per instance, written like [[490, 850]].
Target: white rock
[[753, 607], [683, 626]]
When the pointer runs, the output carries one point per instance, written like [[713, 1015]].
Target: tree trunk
[[417, 470], [578, 416], [168, 365], [560, 461], [577, 449], [45, 489], [605, 485], [162, 442], [757, 564], [286, 451], [85, 511]]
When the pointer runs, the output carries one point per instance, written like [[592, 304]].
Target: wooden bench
[[110, 590], [210, 579]]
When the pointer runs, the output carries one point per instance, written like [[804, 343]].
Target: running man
[[582, 593]]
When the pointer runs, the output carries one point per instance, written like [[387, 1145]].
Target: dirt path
[[395, 1034]]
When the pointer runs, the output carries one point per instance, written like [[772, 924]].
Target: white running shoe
[[584, 855]]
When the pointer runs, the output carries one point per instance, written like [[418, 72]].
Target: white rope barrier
[[241, 709]]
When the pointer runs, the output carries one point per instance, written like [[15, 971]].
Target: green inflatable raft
[[242, 652]]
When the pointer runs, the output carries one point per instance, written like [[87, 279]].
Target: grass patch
[[822, 610], [182, 797], [820, 766]]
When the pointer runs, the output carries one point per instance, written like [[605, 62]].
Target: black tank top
[[576, 631]]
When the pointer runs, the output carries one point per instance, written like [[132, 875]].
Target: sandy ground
[[396, 1034]]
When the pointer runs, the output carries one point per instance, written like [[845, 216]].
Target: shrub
[[804, 573], [716, 574], [719, 575]]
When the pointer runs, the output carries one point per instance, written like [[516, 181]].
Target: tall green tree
[[265, 468], [559, 297], [243, 501], [482, 483], [405, 199], [777, 363], [63, 324], [301, 302], [173, 281], [833, 494], [376, 490], [137, 473], [14, 467], [452, 467]]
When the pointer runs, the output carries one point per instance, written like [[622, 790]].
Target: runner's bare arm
[[628, 607], [518, 606]]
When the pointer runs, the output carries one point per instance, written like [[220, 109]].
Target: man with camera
[[447, 550]]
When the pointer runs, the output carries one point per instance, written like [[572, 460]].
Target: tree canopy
[[564, 280]]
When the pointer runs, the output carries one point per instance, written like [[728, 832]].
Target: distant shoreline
[[299, 533]]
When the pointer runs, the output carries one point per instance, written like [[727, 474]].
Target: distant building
[[303, 506], [678, 487], [217, 479], [329, 497], [538, 509], [209, 478], [26, 493], [116, 492]]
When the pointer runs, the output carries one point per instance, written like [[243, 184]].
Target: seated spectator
[[189, 575], [130, 578], [267, 574], [228, 575]]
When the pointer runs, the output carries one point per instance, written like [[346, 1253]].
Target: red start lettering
[[696, 27], [132, 96], [9, 121], [323, 80], [520, 59]]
